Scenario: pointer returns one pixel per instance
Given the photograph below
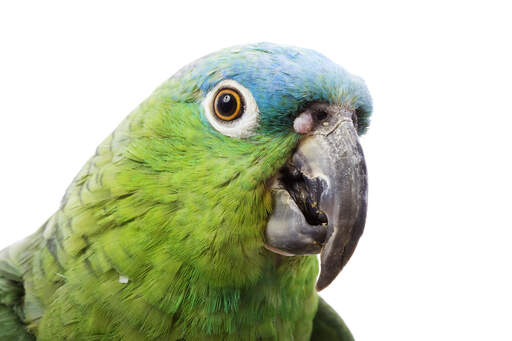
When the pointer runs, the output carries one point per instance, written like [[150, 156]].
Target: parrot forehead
[[282, 79]]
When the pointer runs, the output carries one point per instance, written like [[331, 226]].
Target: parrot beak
[[320, 195]]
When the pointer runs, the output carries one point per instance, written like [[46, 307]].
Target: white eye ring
[[240, 127]]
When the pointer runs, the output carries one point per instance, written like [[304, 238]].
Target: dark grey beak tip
[[322, 283], [331, 265]]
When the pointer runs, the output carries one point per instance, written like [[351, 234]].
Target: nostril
[[320, 116], [355, 120], [309, 119]]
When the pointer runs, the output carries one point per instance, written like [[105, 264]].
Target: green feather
[[160, 237]]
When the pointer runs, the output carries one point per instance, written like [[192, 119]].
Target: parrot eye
[[231, 109], [228, 105]]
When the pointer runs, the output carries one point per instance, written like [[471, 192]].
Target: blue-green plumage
[[161, 236], [282, 79]]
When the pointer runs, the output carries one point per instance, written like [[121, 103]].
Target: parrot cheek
[[320, 195]]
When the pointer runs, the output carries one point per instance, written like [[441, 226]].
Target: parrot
[[216, 210]]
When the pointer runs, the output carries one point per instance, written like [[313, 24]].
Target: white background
[[435, 260]]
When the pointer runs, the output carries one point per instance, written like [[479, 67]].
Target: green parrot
[[200, 216]]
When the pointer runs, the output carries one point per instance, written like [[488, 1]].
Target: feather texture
[[160, 235]]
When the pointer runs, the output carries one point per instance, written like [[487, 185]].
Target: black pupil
[[226, 105]]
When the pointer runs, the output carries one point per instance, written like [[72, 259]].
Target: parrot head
[[258, 145]]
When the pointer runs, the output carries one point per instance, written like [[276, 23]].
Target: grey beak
[[320, 196]]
